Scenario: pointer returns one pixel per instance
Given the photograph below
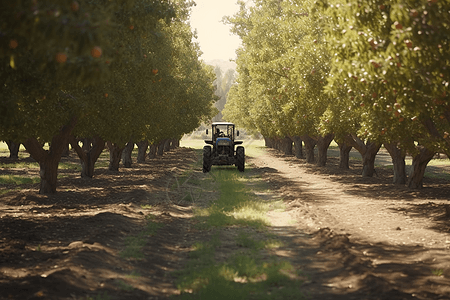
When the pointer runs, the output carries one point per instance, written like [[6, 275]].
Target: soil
[[353, 237], [362, 238]]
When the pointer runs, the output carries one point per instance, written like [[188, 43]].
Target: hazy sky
[[214, 37]]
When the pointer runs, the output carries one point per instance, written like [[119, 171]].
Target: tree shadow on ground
[[71, 245], [338, 267], [426, 203]]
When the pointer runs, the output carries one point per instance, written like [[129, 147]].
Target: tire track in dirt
[[352, 246]]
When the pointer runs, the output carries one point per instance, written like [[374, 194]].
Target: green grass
[[245, 239], [20, 165], [8, 190], [134, 244], [69, 166], [192, 143], [235, 206], [18, 180], [124, 286], [134, 275], [133, 247], [35, 165], [437, 272], [439, 175], [241, 276], [438, 162], [246, 272]]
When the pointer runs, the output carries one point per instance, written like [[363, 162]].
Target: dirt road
[[363, 238]]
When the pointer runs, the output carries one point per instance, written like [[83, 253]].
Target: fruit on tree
[[75, 6], [61, 57], [13, 44], [96, 52]]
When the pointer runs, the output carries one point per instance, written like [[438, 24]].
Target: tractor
[[221, 148]]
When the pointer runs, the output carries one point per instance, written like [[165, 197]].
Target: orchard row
[[364, 73], [100, 71]]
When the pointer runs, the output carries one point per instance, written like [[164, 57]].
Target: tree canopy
[[374, 71], [122, 70]]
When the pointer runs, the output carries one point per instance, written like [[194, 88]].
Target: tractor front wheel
[[240, 157], [206, 159]]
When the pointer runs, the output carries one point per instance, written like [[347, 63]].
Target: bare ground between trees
[[376, 241], [368, 239]]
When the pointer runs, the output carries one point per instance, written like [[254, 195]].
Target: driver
[[216, 135]]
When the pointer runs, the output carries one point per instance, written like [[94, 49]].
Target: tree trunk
[[88, 154], [322, 146], [66, 151], [344, 155], [161, 145], [298, 146], [13, 149], [49, 159], [419, 164], [176, 143], [369, 159], [167, 145], [285, 145], [368, 153], [310, 144], [142, 149], [126, 154], [173, 144], [277, 142], [272, 143], [398, 161], [115, 153], [269, 142], [87, 144], [153, 148]]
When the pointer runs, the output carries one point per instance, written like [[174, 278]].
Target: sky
[[215, 38]]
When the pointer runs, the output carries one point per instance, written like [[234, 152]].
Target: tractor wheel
[[206, 159], [240, 156]]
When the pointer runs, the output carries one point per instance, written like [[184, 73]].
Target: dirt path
[[360, 240]]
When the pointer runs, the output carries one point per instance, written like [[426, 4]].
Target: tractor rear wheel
[[240, 157], [206, 159]]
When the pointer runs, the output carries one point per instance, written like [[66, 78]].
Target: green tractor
[[221, 148]]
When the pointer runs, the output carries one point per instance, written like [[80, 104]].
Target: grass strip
[[242, 269], [18, 180], [235, 206]]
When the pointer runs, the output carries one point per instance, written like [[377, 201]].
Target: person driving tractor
[[218, 133]]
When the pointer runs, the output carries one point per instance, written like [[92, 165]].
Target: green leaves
[[377, 68], [394, 67], [124, 68], [282, 67]]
